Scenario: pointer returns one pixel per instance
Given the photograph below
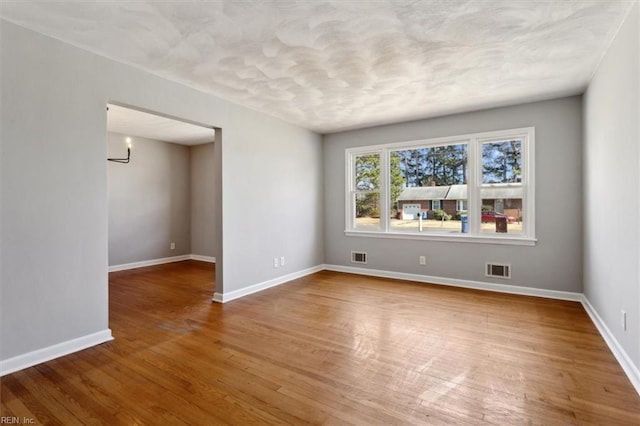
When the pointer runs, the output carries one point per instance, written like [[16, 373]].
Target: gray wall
[[149, 200], [612, 187], [555, 262], [54, 186], [272, 201], [202, 200]]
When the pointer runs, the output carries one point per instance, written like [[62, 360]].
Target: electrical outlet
[[423, 260], [282, 261], [172, 246], [275, 262], [624, 320]]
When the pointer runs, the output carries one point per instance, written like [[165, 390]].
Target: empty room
[[354, 212]]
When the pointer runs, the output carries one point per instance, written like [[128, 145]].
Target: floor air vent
[[358, 257], [498, 270]]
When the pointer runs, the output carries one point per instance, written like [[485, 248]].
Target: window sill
[[462, 238]]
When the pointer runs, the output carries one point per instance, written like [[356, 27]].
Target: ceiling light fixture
[[123, 160]]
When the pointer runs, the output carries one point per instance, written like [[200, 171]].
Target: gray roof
[[501, 192], [424, 193], [458, 192]]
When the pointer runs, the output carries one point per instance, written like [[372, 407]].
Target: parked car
[[490, 216]]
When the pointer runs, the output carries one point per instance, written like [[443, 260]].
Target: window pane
[[425, 185], [367, 172], [501, 215], [502, 162], [367, 210], [435, 165]]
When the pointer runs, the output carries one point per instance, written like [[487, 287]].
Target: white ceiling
[[339, 64], [131, 122]]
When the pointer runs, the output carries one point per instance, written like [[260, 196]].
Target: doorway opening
[[162, 200]]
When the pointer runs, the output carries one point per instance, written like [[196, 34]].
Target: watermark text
[[13, 420]]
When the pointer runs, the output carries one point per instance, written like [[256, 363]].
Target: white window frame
[[352, 192], [460, 205], [474, 142], [439, 204]]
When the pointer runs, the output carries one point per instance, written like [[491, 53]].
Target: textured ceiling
[[131, 122], [336, 65]]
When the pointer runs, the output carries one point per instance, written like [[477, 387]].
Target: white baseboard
[[201, 258], [55, 351], [42, 355], [621, 355], [227, 297], [623, 358], [161, 261], [476, 285], [151, 262]]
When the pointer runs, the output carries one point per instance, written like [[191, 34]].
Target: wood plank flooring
[[329, 348]]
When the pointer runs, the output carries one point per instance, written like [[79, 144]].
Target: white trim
[[236, 294], [65, 348], [629, 368], [385, 191], [151, 262], [39, 356], [621, 355], [348, 197], [201, 258], [474, 199], [473, 142], [476, 285], [351, 193], [530, 199], [161, 261], [446, 237]]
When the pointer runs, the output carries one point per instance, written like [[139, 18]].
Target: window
[[426, 189], [366, 191], [419, 180], [501, 186]]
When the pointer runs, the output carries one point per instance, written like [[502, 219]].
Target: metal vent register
[[498, 270], [358, 257]]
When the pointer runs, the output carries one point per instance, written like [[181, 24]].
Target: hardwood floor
[[329, 348]]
